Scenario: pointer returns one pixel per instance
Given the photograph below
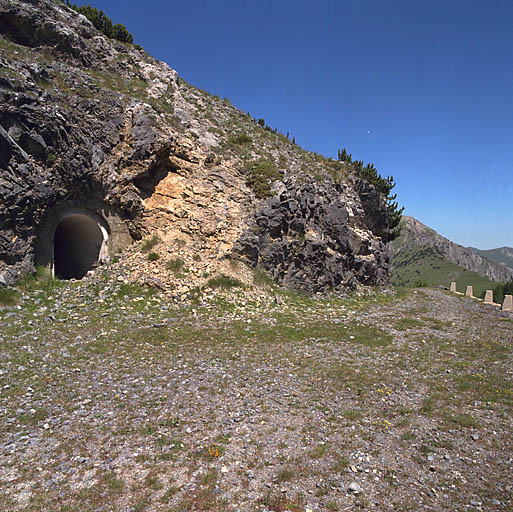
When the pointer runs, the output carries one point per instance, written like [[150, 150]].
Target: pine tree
[[103, 23], [384, 186]]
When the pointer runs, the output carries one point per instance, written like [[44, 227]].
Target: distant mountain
[[414, 234], [502, 255], [425, 266]]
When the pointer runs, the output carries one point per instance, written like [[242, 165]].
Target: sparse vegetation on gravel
[[113, 398]]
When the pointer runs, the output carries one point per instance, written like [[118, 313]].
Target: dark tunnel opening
[[77, 245]]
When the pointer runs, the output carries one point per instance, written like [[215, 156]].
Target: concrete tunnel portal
[[75, 236], [79, 244]]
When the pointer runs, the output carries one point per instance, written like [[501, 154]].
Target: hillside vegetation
[[103, 23]]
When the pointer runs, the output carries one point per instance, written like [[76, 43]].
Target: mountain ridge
[[501, 255], [415, 233]]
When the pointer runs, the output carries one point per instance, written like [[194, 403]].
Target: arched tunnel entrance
[[79, 243]]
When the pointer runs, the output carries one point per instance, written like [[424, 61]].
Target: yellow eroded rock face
[[167, 193]]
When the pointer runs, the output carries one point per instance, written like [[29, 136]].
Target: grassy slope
[[424, 266]]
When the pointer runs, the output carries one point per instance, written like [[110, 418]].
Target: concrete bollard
[[507, 305], [488, 297], [469, 292], [453, 287]]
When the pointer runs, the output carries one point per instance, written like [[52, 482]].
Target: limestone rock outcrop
[[92, 124]]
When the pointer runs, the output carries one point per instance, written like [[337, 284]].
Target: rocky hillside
[[502, 255], [415, 234], [93, 127]]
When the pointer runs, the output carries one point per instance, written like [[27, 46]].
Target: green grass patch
[[408, 323], [284, 475], [112, 482], [170, 493], [133, 290], [262, 278], [279, 502], [491, 388], [40, 280], [319, 451], [437, 325], [461, 420], [408, 436], [32, 419], [135, 87], [352, 414], [8, 296], [239, 139], [368, 335], [340, 464], [428, 406], [175, 265]]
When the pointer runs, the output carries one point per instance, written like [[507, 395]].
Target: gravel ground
[[113, 398]]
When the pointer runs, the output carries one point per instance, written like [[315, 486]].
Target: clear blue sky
[[423, 89]]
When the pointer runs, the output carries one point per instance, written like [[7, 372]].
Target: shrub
[[225, 282], [262, 174], [284, 475], [383, 185], [153, 256], [103, 23], [240, 139], [175, 265], [261, 278], [50, 159], [149, 244], [41, 279], [501, 290]]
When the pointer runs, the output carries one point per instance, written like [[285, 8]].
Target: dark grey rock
[[303, 239], [142, 134]]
